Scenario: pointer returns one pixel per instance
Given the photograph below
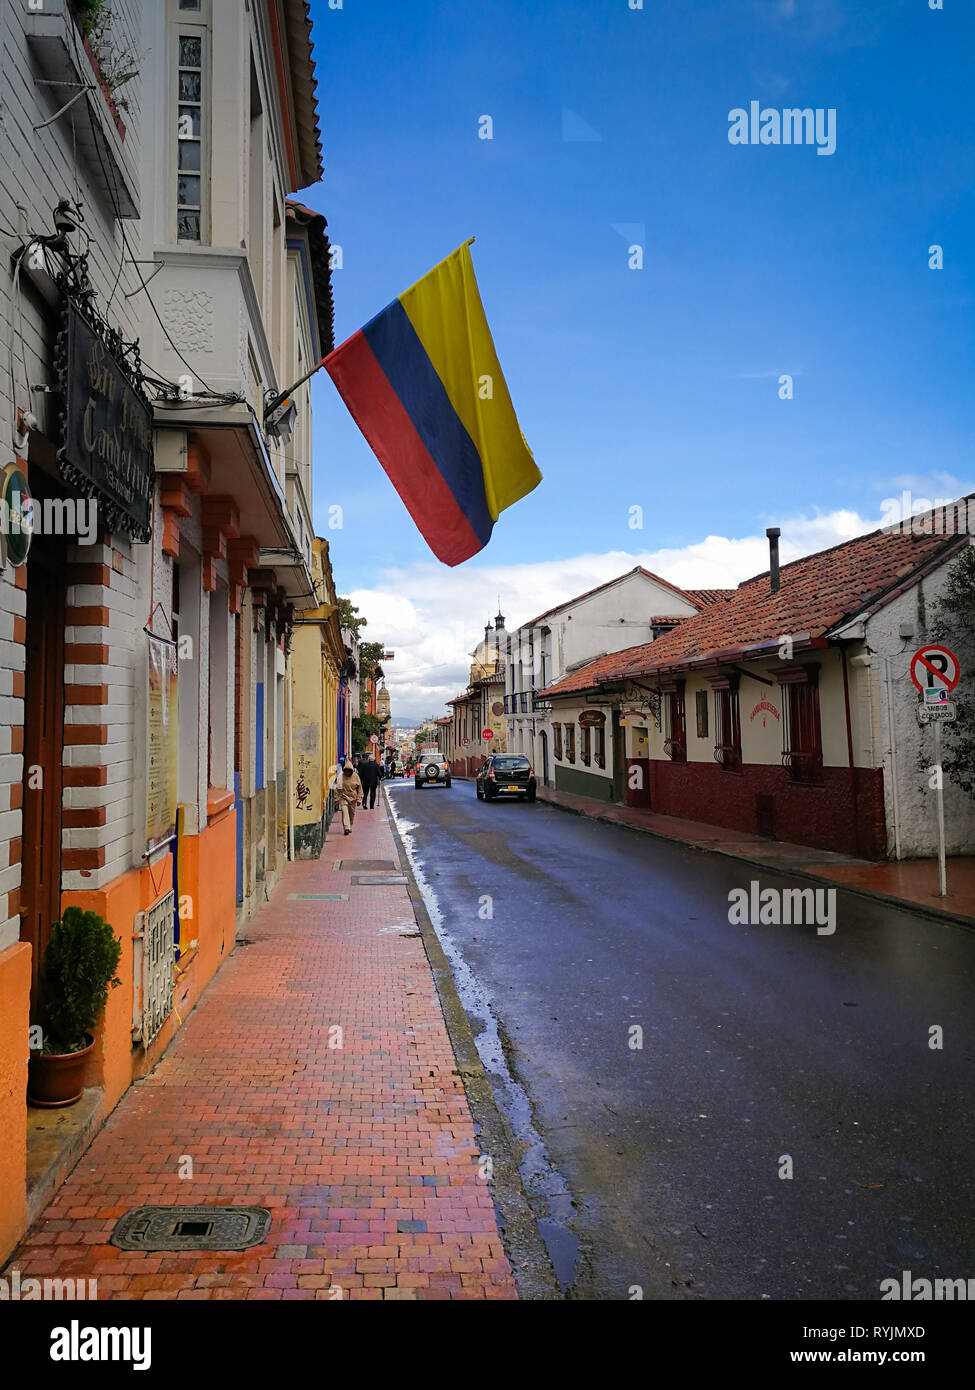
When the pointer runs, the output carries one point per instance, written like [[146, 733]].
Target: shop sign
[[763, 708], [106, 451], [16, 516], [592, 719]]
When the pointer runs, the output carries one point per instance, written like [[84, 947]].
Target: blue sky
[[659, 387]]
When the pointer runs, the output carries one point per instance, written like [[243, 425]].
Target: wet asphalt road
[[758, 1042]]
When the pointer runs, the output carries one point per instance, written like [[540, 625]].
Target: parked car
[[506, 774], [431, 769]]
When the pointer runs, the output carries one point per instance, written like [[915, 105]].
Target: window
[[189, 142], [701, 707], [557, 740], [802, 739], [600, 747], [675, 743], [570, 743], [586, 750], [189, 4], [727, 724]]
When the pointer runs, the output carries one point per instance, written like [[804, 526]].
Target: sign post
[[942, 872], [935, 671]]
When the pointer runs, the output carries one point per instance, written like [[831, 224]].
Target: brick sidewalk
[[365, 1155]]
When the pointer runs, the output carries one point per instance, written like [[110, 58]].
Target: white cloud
[[434, 631]]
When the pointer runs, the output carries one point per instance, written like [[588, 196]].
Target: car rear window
[[509, 764]]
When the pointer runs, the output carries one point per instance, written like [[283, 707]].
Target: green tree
[[363, 726], [370, 655], [953, 624], [350, 617]]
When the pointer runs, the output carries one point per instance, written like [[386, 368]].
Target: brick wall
[[821, 816]]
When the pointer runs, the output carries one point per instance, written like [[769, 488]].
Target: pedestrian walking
[[348, 789], [369, 774]]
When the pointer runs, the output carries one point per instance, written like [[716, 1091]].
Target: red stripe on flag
[[392, 436]]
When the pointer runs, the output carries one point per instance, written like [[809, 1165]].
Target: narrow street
[[660, 1167]]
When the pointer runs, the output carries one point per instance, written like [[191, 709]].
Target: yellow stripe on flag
[[447, 315]]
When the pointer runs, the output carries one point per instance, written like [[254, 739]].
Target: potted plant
[[78, 969]]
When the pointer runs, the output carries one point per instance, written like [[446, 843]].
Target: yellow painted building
[[317, 654]]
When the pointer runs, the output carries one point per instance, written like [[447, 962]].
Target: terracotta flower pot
[[57, 1078]]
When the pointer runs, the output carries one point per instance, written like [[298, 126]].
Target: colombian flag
[[423, 383]]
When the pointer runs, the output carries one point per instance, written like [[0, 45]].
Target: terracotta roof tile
[[705, 597], [815, 594]]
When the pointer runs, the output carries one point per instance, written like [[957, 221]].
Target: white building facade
[[624, 612]]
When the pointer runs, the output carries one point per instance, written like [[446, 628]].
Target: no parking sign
[[935, 668]]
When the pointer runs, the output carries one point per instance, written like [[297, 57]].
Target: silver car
[[432, 769]]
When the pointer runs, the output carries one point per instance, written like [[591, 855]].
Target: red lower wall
[[465, 767], [821, 816]]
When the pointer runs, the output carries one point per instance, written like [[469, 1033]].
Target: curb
[[870, 895], [530, 1264]]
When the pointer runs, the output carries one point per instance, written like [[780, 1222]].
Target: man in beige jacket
[[348, 789]]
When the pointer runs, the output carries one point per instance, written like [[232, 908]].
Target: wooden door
[[43, 740]]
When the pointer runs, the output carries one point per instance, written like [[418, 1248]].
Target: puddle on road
[[546, 1189]]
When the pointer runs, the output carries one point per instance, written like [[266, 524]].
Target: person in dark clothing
[[369, 775]]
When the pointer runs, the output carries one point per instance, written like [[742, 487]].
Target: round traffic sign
[[373, 738], [934, 667]]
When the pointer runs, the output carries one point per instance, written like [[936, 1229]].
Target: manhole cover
[[191, 1228], [318, 897], [364, 866], [365, 880]]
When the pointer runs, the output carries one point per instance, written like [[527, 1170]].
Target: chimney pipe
[[773, 534]]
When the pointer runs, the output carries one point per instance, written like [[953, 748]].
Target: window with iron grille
[[585, 752], [802, 739], [156, 967], [570, 743], [557, 740], [675, 741], [727, 725], [600, 753]]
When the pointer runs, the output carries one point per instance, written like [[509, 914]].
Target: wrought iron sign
[[645, 698], [106, 449]]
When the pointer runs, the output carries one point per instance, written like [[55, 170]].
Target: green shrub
[[79, 966]]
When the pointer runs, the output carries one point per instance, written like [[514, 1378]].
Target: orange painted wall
[[111, 1062], [209, 881], [14, 1015]]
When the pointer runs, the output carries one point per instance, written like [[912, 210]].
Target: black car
[[506, 774]]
